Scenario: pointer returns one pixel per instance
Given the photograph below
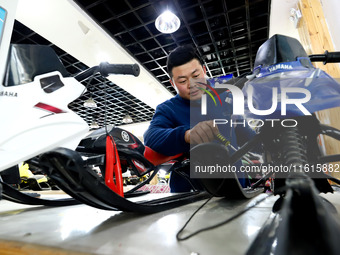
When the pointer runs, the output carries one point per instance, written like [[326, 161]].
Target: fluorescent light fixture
[[167, 22], [90, 103], [127, 119]]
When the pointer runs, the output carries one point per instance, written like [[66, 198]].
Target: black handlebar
[[327, 57], [105, 69]]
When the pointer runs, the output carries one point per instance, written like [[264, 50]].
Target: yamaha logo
[[125, 136], [8, 94]]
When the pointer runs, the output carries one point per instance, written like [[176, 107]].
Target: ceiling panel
[[226, 33]]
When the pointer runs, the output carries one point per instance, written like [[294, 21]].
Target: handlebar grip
[[327, 57], [332, 57], [87, 73], [106, 69]]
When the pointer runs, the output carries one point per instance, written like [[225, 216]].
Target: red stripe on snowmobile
[[157, 158], [49, 108], [113, 167]]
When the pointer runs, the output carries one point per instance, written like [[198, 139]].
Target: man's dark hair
[[180, 56]]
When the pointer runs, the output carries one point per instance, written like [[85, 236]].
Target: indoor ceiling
[[226, 34]]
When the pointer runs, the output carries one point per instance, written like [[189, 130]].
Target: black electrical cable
[[105, 113], [216, 225], [138, 186], [186, 177]]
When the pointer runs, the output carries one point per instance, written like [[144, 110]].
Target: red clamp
[[113, 167]]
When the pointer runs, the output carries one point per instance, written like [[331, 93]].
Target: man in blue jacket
[[173, 127]]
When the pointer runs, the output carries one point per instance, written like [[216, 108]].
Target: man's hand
[[203, 132]]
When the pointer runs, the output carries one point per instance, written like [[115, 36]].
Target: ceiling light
[[90, 103], [167, 22], [94, 125], [127, 119]]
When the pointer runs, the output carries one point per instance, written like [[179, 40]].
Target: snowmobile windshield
[[26, 61], [279, 49], [2, 21]]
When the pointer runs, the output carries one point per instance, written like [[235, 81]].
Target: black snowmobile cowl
[[130, 148], [96, 141], [279, 49]]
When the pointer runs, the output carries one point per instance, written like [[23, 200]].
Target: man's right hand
[[203, 132]]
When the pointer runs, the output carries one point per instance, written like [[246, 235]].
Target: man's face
[[184, 77]]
